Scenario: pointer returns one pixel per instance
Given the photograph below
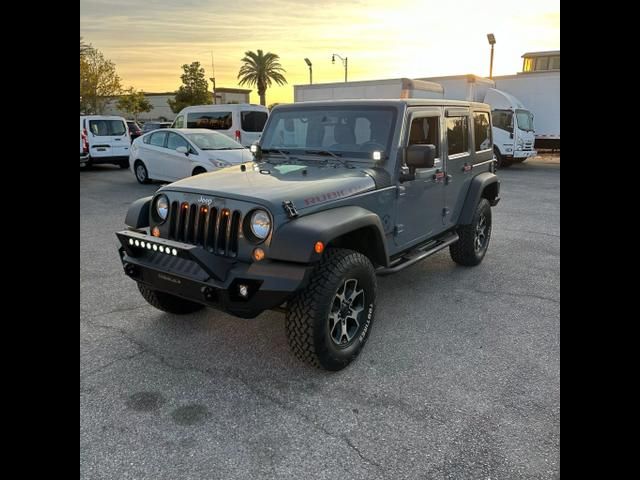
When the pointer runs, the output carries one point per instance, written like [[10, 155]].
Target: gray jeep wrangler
[[339, 192]]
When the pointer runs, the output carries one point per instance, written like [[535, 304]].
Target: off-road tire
[[167, 302], [465, 251], [307, 320]]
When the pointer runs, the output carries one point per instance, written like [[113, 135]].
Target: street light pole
[[308, 62], [492, 41], [344, 60]]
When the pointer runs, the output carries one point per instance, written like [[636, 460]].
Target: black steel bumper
[[191, 272]]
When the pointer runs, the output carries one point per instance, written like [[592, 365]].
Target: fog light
[[258, 254], [377, 156], [243, 290]]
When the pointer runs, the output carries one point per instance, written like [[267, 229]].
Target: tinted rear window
[[107, 127], [157, 139], [253, 121], [210, 120]]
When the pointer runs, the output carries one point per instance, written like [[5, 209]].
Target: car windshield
[[525, 120], [345, 131], [212, 141]]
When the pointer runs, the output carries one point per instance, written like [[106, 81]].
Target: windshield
[[525, 120], [212, 141], [349, 131]]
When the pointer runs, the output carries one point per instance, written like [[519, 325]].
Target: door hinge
[[398, 229], [445, 212], [290, 209]]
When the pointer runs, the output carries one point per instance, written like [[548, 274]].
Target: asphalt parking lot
[[459, 379]]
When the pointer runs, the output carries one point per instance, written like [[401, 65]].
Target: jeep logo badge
[[205, 201]]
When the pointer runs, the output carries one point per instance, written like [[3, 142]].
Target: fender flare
[[138, 213], [476, 191], [295, 240]]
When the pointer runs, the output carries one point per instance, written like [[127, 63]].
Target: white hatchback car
[[170, 154]]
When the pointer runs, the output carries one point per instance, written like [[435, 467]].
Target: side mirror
[[420, 156], [183, 149], [256, 150]]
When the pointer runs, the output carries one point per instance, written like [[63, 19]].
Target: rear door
[[458, 162], [251, 125], [156, 157], [108, 137]]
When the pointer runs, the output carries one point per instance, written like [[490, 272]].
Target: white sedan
[[170, 154]]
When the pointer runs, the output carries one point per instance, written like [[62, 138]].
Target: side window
[[157, 139], [99, 127], [503, 119], [179, 122], [210, 120], [252, 121], [481, 130], [176, 141], [425, 131], [457, 135]]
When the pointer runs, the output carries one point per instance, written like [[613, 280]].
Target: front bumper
[[524, 153], [192, 273]]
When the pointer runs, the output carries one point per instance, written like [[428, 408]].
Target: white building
[[161, 110]]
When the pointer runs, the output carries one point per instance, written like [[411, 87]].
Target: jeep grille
[[215, 229]]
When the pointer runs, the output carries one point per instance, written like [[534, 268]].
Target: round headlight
[[260, 224], [162, 207]]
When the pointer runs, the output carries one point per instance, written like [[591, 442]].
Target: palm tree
[[261, 70]]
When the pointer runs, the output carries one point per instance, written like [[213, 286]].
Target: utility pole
[[213, 80]]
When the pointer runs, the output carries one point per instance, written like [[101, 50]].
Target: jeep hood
[[269, 185]]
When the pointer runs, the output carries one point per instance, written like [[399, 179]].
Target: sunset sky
[[150, 40]]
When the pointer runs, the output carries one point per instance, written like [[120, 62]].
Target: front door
[[420, 201]]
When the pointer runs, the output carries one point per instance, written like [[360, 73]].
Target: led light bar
[[154, 247]]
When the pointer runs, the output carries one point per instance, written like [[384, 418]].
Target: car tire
[[501, 161], [124, 164], [329, 321], [472, 246], [198, 171], [141, 172], [167, 302]]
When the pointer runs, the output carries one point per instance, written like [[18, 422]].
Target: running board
[[417, 254]]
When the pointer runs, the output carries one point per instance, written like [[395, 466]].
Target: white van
[[107, 140], [242, 122]]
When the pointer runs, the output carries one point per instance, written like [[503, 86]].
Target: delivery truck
[[513, 125], [389, 88]]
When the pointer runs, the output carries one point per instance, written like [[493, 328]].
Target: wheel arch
[[485, 185], [351, 227]]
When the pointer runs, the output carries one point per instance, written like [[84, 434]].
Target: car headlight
[[260, 224], [219, 163], [162, 207]]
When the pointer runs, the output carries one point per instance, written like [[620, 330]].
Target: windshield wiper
[[281, 152], [328, 153]]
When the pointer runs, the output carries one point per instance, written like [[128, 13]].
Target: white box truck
[[513, 128], [540, 92], [390, 88]]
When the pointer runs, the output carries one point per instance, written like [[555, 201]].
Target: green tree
[[134, 102], [98, 81], [194, 89], [261, 70]]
